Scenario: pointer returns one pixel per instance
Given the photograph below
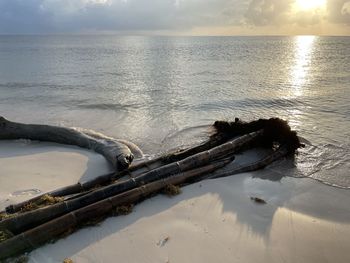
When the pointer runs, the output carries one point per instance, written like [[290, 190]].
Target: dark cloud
[[117, 15], [17, 16]]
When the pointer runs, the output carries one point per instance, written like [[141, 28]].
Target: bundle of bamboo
[[83, 202]]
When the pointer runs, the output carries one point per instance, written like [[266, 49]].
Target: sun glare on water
[[303, 49], [310, 4]]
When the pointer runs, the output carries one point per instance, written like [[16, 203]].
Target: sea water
[[163, 92]]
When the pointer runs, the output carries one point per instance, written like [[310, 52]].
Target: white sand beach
[[211, 221]]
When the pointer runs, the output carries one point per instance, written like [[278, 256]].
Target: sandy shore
[[211, 221]]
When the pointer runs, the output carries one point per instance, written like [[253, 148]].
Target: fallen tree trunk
[[37, 236], [118, 154], [27, 220]]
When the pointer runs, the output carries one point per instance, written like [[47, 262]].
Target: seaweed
[[123, 209], [5, 234], [45, 200], [4, 215], [275, 130], [171, 190]]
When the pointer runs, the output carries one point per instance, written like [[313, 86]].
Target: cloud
[[19, 16], [280, 13], [339, 11], [70, 16], [118, 15], [268, 12]]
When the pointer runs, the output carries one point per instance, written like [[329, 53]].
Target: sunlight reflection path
[[304, 46]]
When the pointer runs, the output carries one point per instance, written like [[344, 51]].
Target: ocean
[[163, 92]]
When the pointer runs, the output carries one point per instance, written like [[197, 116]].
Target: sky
[[176, 17]]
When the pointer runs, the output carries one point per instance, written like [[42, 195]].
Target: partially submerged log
[[118, 154]]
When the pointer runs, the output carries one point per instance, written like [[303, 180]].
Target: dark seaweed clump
[[275, 130]]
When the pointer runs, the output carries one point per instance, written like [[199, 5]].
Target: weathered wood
[[36, 227], [135, 170], [24, 221], [137, 152], [53, 229], [260, 164], [64, 191], [118, 154]]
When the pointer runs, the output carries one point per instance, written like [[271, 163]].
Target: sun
[[310, 4]]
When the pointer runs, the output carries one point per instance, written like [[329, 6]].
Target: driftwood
[[118, 154], [282, 151], [30, 219], [35, 237], [89, 202], [134, 170], [274, 129]]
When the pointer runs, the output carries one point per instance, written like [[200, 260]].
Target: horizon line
[[165, 35]]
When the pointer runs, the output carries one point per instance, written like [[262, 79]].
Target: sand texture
[[211, 221]]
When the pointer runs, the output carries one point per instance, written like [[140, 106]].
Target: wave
[[26, 85], [252, 103], [327, 163], [108, 106], [278, 103]]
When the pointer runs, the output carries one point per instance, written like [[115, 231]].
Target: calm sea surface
[[160, 91]]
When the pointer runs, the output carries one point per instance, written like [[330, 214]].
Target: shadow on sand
[[233, 197]]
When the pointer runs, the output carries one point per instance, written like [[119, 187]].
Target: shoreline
[[303, 220]]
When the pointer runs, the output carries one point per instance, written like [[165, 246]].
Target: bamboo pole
[[134, 170], [27, 220], [146, 178], [41, 234], [274, 128], [67, 190], [80, 187], [62, 192], [118, 154], [260, 164]]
